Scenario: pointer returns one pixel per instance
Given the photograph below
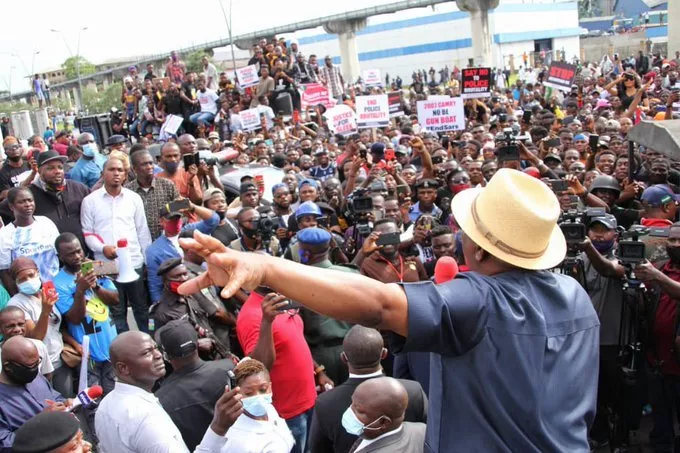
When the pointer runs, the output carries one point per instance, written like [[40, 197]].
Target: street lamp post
[[77, 57]]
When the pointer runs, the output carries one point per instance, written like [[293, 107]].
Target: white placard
[[341, 119], [441, 116], [247, 76], [250, 119], [372, 111], [372, 78]]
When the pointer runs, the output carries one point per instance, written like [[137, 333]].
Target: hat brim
[[62, 159], [461, 208]]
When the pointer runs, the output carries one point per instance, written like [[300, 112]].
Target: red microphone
[[445, 269], [87, 397]]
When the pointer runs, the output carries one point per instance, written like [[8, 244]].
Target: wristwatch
[[318, 370]]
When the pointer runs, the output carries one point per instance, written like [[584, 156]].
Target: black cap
[[247, 187], [427, 184], [45, 432], [168, 265], [48, 156], [116, 139], [166, 213], [178, 338]]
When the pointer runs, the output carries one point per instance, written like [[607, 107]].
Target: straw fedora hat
[[514, 218]]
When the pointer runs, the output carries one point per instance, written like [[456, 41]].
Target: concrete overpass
[[344, 25]]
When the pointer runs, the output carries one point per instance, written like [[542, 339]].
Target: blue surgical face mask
[[351, 423], [304, 257], [171, 167], [90, 149], [603, 246], [257, 405], [30, 286]]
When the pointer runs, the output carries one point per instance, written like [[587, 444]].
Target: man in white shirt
[[210, 73], [108, 216], [207, 98], [130, 419]]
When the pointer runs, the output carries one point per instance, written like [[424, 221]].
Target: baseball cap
[[208, 194], [607, 220], [166, 213], [213, 134], [658, 195], [178, 338], [308, 182], [602, 104], [247, 187]]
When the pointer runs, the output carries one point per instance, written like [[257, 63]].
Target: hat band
[[489, 236]]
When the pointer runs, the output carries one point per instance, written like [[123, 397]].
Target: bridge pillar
[[673, 28], [346, 31], [481, 28]]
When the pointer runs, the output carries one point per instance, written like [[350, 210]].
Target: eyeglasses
[[12, 147]]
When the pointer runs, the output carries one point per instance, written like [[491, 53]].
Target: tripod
[[574, 267]]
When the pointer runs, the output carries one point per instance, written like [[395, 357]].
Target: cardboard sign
[[170, 127], [314, 94], [247, 77], [250, 119], [341, 119], [372, 78], [372, 111], [394, 102], [476, 83], [560, 76], [441, 116]]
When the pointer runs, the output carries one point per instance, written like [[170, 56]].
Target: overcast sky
[[123, 28]]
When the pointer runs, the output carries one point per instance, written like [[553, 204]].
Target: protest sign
[[372, 111], [394, 102], [560, 76], [441, 115], [341, 119], [250, 119], [247, 77], [170, 126], [372, 78], [314, 94], [476, 83]]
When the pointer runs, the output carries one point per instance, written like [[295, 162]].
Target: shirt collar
[[133, 390], [367, 442], [655, 222], [366, 376]]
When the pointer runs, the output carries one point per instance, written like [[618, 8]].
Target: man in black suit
[[363, 349]]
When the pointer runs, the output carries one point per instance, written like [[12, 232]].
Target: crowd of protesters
[[257, 372]]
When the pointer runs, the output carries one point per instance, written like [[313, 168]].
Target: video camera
[[359, 205], [509, 138], [631, 251], [574, 224], [266, 228]]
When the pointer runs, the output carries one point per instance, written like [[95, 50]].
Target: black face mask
[[221, 215], [673, 254], [20, 374], [247, 232]]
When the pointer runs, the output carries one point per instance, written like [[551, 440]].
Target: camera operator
[[603, 278], [663, 277], [254, 238], [660, 208], [607, 189]]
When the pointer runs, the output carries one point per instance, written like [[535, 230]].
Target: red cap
[[122, 243], [533, 171]]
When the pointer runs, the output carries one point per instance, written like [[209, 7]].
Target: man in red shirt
[[663, 278], [274, 335]]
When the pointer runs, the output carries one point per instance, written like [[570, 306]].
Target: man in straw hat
[[516, 361]]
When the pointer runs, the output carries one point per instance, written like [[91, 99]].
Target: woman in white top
[[28, 235], [259, 429]]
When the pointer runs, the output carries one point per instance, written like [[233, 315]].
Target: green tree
[[69, 66], [589, 8], [194, 61], [101, 101]]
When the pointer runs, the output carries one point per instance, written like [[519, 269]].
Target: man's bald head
[[136, 359], [20, 350], [380, 403], [169, 146], [363, 348], [185, 138]]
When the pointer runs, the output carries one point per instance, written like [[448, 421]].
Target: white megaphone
[[126, 273]]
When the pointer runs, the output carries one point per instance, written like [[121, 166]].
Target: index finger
[[203, 244]]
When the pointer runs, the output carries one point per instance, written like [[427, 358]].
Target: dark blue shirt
[[517, 362], [19, 403]]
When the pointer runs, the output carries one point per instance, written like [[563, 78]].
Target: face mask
[[603, 246], [173, 227], [90, 149], [304, 257], [456, 188], [221, 215], [171, 167], [20, 374], [252, 234], [352, 424], [174, 287], [257, 405], [30, 286], [673, 253]]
